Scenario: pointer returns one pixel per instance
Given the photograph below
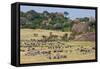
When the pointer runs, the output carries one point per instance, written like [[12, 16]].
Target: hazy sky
[[73, 12]]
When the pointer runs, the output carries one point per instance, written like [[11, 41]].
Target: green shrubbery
[[51, 21], [33, 19]]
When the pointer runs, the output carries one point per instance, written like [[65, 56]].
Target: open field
[[34, 50]]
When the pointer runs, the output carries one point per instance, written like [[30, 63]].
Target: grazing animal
[[35, 34], [52, 37], [65, 37]]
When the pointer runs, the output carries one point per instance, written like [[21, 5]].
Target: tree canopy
[[49, 20]]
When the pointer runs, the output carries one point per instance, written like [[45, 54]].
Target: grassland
[[45, 52]]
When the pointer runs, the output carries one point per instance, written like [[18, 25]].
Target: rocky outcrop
[[80, 28], [90, 36]]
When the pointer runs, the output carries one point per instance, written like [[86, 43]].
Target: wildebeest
[[35, 34]]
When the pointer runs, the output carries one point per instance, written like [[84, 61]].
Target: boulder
[[90, 36]]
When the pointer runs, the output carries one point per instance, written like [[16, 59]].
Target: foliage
[[49, 20]]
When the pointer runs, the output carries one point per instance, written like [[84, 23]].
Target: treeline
[[46, 20]]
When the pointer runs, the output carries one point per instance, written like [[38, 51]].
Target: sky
[[73, 12]]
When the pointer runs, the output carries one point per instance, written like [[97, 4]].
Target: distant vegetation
[[54, 37], [53, 21]]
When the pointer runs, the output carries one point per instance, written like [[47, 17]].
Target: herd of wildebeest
[[57, 47], [53, 46]]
